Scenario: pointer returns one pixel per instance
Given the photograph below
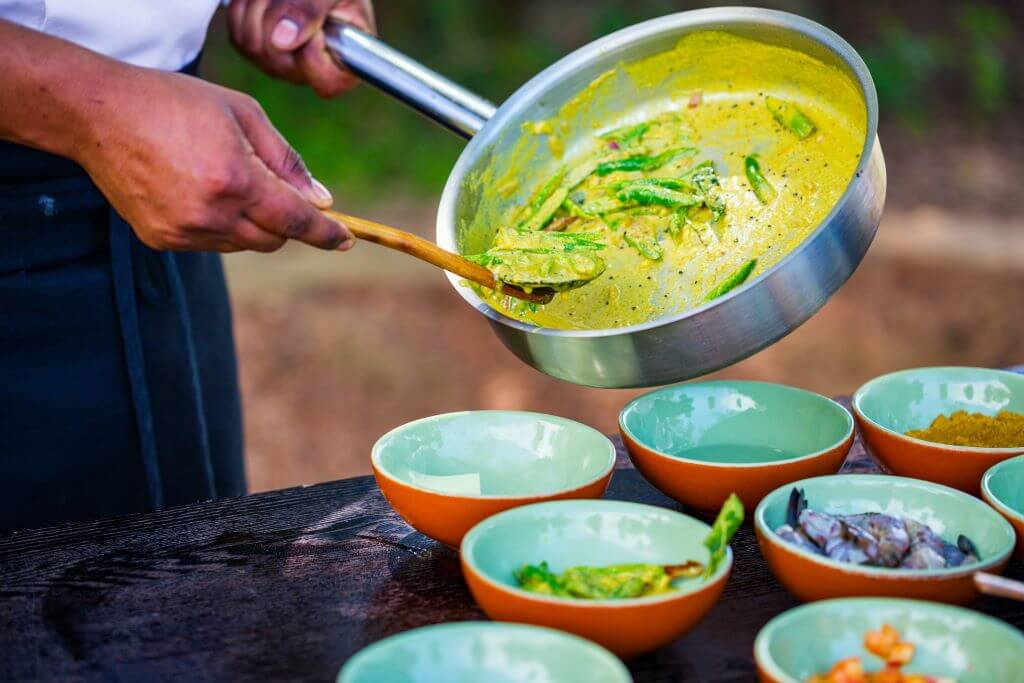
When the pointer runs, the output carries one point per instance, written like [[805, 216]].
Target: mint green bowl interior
[[948, 511], [736, 422], [951, 641], [912, 399], [1004, 483], [495, 453], [569, 533], [477, 651]]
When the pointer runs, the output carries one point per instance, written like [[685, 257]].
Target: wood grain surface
[[287, 585]]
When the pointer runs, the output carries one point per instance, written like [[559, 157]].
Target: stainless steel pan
[[671, 348]]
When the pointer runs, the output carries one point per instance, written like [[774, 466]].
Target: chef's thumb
[[293, 22]]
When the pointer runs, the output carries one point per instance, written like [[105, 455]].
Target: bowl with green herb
[[627, 576]]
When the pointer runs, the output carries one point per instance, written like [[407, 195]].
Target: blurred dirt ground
[[336, 349]]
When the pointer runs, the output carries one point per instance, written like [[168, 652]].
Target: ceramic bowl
[[474, 651], [948, 511], [890, 405], [950, 641], [593, 533], [443, 474], [1002, 487], [700, 442]]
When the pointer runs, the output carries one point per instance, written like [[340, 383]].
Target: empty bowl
[[947, 511], [593, 533], [445, 473], [889, 406], [474, 651], [700, 442], [950, 642], [1002, 487]]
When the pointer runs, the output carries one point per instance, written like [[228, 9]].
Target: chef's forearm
[[50, 90]]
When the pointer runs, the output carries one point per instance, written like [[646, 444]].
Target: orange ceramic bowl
[[699, 442], [888, 406], [593, 533], [445, 473], [948, 511], [1002, 487]]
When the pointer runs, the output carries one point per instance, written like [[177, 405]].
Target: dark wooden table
[[287, 585]]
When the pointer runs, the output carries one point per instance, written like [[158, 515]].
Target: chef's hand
[[194, 166], [286, 39]]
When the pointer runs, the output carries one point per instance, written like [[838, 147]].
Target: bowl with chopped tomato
[[887, 640]]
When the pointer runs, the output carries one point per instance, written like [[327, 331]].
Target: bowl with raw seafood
[[1003, 488], [627, 576], [471, 651], [852, 535], [943, 424], [445, 473], [845, 641], [701, 441]]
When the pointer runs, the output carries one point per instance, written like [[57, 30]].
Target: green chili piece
[[737, 278], [789, 117], [726, 524], [626, 134], [762, 188], [670, 183], [540, 579], [653, 194], [646, 245], [543, 215], [643, 162]]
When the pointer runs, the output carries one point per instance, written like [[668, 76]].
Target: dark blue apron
[[118, 381]]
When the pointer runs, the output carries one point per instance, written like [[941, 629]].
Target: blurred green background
[[336, 349], [931, 61]]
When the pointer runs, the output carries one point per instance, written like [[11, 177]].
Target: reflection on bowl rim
[[995, 501], [465, 556], [727, 465], [762, 654], [499, 626], [981, 450], [887, 572], [381, 470]]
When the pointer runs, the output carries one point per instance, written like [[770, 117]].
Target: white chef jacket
[[162, 34]]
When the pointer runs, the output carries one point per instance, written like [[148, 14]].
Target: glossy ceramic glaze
[[948, 511], [443, 474], [594, 533], [700, 442], [1003, 487], [474, 651], [950, 641], [890, 405]]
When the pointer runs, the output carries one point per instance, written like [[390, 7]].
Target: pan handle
[[424, 90]]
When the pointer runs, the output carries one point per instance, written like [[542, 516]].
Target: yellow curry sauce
[[715, 114]]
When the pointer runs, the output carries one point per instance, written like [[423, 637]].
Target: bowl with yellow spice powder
[[943, 424]]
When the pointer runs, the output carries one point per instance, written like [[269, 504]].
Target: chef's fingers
[[277, 207], [245, 24], [275, 152], [246, 235], [321, 71], [290, 24], [359, 13]]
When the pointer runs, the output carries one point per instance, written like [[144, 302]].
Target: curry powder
[[1005, 430]]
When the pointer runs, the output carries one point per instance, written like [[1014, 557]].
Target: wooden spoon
[[425, 250], [999, 586]]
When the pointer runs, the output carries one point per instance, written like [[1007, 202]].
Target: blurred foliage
[[928, 59]]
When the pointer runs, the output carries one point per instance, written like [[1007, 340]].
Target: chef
[[122, 176]]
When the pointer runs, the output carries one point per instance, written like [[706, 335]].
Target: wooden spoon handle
[[1000, 586], [425, 250]]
